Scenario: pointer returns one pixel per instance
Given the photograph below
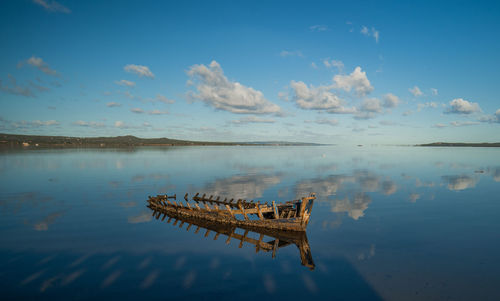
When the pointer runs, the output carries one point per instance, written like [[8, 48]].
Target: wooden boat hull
[[290, 216]]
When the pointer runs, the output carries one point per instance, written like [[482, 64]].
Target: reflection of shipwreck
[[161, 205], [289, 216]]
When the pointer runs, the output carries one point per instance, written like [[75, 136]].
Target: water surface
[[389, 223]]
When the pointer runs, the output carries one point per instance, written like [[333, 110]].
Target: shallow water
[[389, 223]]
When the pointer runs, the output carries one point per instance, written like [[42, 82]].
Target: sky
[[339, 72]]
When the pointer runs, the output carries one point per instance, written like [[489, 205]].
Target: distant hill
[[461, 144], [9, 140]]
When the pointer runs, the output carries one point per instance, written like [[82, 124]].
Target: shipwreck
[[288, 216], [282, 224]]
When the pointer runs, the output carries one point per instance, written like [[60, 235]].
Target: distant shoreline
[[34, 141], [461, 144]]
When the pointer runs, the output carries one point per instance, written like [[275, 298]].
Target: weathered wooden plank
[[275, 210], [242, 210]]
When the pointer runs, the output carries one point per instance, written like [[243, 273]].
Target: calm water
[[390, 223]]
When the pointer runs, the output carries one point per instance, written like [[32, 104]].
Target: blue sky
[[341, 72]]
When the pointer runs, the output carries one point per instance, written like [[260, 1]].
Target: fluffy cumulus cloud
[[314, 98], [356, 81], [141, 71], [415, 91], [369, 108], [372, 105], [52, 6], [125, 82], [216, 90], [462, 106], [390, 100]]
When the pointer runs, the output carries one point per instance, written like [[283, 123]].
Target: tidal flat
[[389, 223]]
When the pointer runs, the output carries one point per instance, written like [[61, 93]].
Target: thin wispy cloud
[[91, 124], [288, 53], [318, 28], [334, 63], [12, 87], [141, 71], [113, 104], [370, 33], [253, 119], [40, 64], [125, 82], [164, 99], [52, 6]]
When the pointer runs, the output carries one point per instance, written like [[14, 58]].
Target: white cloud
[[371, 105], [13, 88], [390, 100], [314, 98], [286, 53], [313, 65], [113, 104], [332, 122], [357, 80], [462, 106], [439, 125], [318, 28], [217, 91], [53, 6], [163, 99], [253, 119], [139, 70], [38, 63], [434, 91], [125, 82], [370, 33], [430, 104], [416, 91], [137, 110], [157, 112], [460, 182], [92, 124], [120, 124], [463, 123], [334, 63]]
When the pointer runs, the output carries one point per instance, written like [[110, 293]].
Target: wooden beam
[[242, 210], [229, 209], [275, 210], [275, 247], [243, 239]]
